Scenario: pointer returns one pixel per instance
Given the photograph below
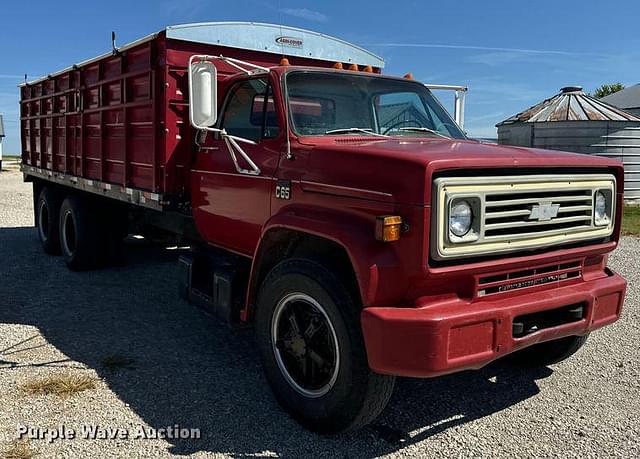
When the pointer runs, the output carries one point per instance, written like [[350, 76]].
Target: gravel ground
[[189, 370]]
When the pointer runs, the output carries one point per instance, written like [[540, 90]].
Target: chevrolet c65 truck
[[342, 213]]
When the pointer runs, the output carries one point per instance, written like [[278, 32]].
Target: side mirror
[[203, 92]]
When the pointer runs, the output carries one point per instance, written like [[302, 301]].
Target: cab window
[[250, 111]]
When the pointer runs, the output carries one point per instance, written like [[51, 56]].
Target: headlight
[[602, 208], [460, 218]]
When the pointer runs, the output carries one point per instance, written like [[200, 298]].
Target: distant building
[[575, 121], [1, 138], [628, 99]]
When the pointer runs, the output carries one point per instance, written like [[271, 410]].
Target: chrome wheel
[[305, 345]]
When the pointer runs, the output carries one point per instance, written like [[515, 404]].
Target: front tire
[[310, 341]]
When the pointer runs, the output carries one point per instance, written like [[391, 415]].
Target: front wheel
[[312, 349]]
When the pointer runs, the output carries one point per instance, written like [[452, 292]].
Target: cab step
[[215, 282]]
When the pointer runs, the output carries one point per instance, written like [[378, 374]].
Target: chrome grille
[[507, 215], [513, 213]]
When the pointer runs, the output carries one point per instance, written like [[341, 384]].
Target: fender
[[378, 271]]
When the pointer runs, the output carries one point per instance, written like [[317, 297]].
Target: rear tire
[[318, 369], [47, 212], [550, 352], [79, 234]]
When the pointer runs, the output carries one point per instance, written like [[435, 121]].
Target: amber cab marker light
[[408, 76], [337, 65], [388, 228], [284, 61], [368, 69], [353, 67]]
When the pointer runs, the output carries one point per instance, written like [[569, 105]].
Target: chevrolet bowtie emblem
[[544, 211]]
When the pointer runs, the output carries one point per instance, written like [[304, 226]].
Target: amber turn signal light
[[388, 228]]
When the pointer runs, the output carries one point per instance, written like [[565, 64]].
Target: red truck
[[342, 213]]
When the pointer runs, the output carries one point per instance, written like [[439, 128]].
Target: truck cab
[[343, 213], [454, 252]]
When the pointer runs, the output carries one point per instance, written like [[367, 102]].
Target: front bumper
[[450, 335]]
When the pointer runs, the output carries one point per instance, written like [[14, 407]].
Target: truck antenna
[[114, 48]]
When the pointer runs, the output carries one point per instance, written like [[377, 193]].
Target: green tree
[[607, 89]]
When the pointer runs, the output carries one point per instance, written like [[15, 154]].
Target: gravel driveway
[[189, 370]]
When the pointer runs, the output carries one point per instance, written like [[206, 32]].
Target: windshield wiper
[[424, 129], [353, 130]]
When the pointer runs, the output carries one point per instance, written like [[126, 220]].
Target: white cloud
[[303, 13]]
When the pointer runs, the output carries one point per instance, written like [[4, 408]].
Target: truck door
[[231, 206]]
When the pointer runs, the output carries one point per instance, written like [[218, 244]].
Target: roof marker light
[[284, 61], [368, 69], [353, 67], [409, 76], [338, 65]]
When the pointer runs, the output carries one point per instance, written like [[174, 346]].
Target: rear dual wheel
[[90, 238], [72, 227], [47, 211], [79, 234]]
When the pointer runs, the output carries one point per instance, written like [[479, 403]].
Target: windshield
[[335, 103]]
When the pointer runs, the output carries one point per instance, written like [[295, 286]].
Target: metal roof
[[627, 98], [571, 104], [1, 127], [270, 38], [275, 39]]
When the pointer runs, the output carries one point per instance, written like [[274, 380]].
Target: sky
[[511, 54]]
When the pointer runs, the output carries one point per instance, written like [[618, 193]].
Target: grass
[[116, 362], [65, 385], [19, 449], [631, 221]]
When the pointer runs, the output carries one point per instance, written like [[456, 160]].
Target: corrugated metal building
[[628, 99], [574, 121], [1, 138]]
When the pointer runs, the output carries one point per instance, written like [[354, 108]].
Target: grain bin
[[1, 137], [575, 121]]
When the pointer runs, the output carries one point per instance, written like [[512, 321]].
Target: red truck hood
[[433, 152], [401, 166]]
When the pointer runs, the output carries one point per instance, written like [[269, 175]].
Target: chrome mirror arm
[[233, 145]]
